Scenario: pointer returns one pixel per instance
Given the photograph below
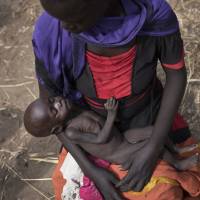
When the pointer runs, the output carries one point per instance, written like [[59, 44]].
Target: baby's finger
[[138, 186], [106, 105], [124, 181], [116, 105], [124, 188], [110, 102]]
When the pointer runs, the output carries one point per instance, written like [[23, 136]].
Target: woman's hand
[[105, 181], [140, 168]]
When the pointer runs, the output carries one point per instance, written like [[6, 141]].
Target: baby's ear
[[57, 129]]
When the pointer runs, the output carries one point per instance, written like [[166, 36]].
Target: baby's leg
[[138, 134], [181, 164], [103, 151]]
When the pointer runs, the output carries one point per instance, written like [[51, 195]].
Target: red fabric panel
[[112, 75], [93, 103]]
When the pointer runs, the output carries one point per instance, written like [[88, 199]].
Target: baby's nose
[[58, 98]]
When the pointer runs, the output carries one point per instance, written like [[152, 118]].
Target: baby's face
[[58, 108], [51, 114]]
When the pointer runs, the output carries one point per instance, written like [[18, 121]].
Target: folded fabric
[[74, 178]]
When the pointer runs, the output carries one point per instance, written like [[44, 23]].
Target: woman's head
[[43, 118], [77, 15]]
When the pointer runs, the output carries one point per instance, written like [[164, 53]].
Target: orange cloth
[[57, 177], [166, 183]]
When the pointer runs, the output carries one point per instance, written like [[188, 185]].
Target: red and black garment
[[131, 78]]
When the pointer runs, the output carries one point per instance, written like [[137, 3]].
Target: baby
[[95, 135]]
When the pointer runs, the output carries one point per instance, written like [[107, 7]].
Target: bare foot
[[187, 163], [186, 149]]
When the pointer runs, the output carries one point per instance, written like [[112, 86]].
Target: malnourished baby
[[95, 135]]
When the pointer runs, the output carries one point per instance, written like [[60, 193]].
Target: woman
[[111, 48]]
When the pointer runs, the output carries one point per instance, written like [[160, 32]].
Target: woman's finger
[[116, 105], [125, 180], [113, 179], [138, 187], [124, 188], [116, 196]]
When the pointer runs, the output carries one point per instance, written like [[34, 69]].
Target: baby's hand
[[111, 106]]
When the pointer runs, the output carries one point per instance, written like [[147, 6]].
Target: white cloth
[[74, 177]]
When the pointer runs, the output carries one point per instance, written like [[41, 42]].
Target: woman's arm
[[174, 89], [145, 160]]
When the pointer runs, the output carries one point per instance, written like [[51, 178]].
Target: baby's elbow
[[102, 140], [70, 134]]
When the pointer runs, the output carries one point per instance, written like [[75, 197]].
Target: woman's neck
[[115, 9]]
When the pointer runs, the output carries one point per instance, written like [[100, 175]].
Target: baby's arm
[[77, 136]]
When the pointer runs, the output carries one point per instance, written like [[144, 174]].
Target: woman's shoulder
[[48, 29], [45, 24], [161, 19]]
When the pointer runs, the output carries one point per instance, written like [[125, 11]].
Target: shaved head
[[37, 120], [43, 118]]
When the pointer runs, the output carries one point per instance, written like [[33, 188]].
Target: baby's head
[[43, 118]]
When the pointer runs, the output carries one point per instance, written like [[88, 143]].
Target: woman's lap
[[174, 185]]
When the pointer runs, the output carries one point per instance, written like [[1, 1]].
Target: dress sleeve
[[42, 73], [39, 36], [48, 55], [171, 51], [37, 61]]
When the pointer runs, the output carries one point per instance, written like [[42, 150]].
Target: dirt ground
[[26, 163]]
